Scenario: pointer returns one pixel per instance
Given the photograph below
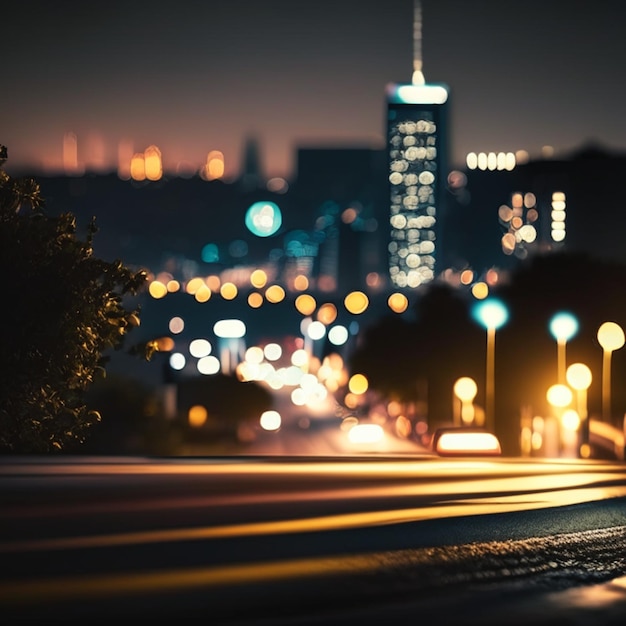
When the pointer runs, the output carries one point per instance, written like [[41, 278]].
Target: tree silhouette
[[420, 360], [64, 309], [226, 398], [588, 287]]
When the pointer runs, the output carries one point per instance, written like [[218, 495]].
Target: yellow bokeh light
[[258, 279], [228, 291], [398, 302], [570, 420], [157, 289], [214, 166], [173, 286], [193, 285], [305, 304], [138, 167], [327, 313], [480, 290], [165, 344], [202, 294], [465, 388], [255, 300], [300, 282], [275, 294], [559, 395], [358, 384], [356, 302], [152, 159], [197, 416]]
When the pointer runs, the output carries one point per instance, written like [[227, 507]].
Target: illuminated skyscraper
[[416, 145], [416, 148]]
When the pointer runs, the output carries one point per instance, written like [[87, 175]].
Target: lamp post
[[610, 337], [559, 396], [492, 314], [579, 377], [563, 326], [465, 390]]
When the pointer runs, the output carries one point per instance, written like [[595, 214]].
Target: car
[[465, 441]]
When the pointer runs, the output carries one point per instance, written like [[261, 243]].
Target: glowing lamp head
[[559, 395], [491, 313], [610, 336], [465, 389], [563, 326], [578, 376], [417, 92]]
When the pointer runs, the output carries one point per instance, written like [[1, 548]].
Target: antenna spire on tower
[[418, 76]]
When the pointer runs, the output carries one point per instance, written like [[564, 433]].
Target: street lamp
[[610, 337], [563, 326], [465, 390], [579, 377], [492, 314], [559, 396]]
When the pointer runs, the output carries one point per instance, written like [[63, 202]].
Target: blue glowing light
[[563, 326], [491, 313], [263, 219]]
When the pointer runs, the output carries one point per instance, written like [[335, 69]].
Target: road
[[299, 540]]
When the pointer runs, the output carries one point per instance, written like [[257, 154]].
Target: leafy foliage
[[64, 309]]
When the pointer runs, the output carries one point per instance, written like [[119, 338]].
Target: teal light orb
[[263, 219]]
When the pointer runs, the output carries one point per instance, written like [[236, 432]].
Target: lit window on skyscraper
[[416, 147], [413, 174]]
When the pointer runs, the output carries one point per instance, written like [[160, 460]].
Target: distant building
[[416, 151], [572, 203], [340, 192]]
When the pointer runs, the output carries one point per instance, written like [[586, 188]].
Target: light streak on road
[[122, 584], [101, 530], [437, 490]]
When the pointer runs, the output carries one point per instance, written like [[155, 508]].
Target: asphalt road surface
[[284, 540]]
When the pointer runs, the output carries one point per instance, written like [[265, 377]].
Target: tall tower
[[251, 177], [416, 150]]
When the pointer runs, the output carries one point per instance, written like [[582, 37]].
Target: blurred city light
[[563, 326], [579, 377], [197, 416], [610, 337], [465, 390], [263, 218], [270, 420], [559, 395], [358, 384], [492, 314], [356, 302], [366, 433]]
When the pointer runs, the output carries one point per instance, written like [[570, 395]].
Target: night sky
[[194, 76]]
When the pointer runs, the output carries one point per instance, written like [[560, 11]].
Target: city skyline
[[210, 76]]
